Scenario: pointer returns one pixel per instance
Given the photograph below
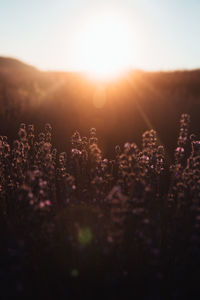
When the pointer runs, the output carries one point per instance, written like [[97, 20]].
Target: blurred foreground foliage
[[76, 223]]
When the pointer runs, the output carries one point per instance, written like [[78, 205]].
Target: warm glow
[[104, 47]]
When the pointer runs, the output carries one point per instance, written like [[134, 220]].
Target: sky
[[165, 34]]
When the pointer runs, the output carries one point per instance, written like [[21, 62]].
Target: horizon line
[[131, 69]]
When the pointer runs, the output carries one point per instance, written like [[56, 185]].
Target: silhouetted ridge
[[12, 64]]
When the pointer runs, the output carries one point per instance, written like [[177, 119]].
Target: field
[[99, 198]]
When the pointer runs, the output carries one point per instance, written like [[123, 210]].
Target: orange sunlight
[[105, 46]]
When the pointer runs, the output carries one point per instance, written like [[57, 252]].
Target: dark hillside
[[137, 102], [14, 65]]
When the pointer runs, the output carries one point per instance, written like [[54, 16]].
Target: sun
[[105, 46]]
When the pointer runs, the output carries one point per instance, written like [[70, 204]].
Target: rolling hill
[[133, 104]]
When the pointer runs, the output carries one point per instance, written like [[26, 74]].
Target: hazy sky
[[166, 33]]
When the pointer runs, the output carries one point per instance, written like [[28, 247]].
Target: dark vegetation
[[99, 220]]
